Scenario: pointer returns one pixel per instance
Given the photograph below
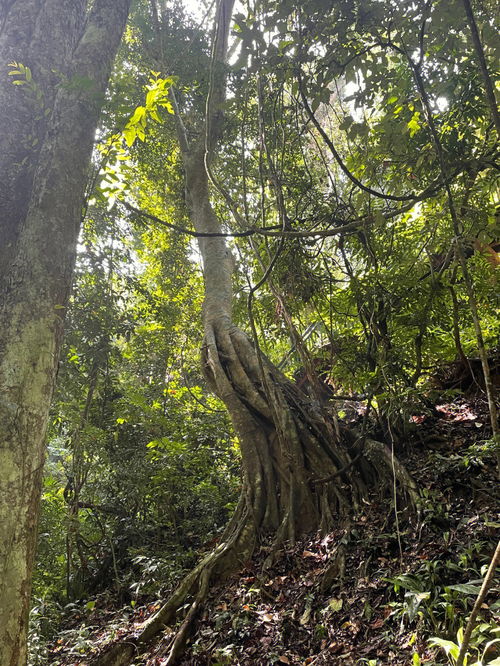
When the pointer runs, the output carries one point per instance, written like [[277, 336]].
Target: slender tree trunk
[[76, 482], [44, 156]]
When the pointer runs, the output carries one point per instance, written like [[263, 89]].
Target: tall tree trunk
[[44, 157], [298, 475], [287, 446]]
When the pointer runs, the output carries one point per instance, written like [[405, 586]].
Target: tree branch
[[252, 231], [478, 47], [339, 160], [217, 84]]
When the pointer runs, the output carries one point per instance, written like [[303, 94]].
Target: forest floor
[[397, 584]]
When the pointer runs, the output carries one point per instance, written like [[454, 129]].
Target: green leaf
[[449, 647], [137, 116], [284, 44], [466, 588], [315, 103], [129, 134], [166, 105], [151, 98], [414, 124], [405, 581]]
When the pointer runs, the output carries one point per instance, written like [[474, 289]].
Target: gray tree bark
[[46, 143]]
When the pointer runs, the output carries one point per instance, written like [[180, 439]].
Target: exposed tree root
[[297, 477], [237, 542]]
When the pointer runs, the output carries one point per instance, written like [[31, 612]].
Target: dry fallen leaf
[[306, 616], [335, 604]]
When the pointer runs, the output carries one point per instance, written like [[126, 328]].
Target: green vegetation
[[307, 192]]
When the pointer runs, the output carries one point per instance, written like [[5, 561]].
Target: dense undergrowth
[[374, 591]]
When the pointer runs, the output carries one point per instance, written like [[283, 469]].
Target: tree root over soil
[[299, 476]]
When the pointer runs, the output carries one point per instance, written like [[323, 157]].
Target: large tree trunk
[[45, 150], [299, 474], [287, 445]]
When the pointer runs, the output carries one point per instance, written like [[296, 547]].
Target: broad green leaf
[[129, 134], [451, 648], [137, 116], [466, 588]]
